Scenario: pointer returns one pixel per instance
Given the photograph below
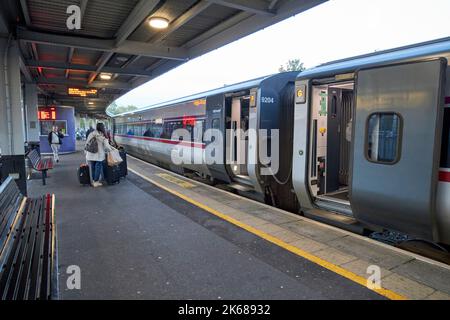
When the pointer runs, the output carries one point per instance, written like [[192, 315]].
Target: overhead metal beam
[[140, 12], [106, 45], [84, 67], [253, 6], [69, 60], [272, 4], [181, 20], [176, 24], [217, 30], [100, 64], [76, 83], [25, 70], [26, 13], [83, 7]]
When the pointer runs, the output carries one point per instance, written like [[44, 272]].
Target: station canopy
[[116, 49]]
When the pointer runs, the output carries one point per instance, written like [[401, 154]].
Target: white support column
[[4, 146], [12, 127], [11, 113], [31, 108]]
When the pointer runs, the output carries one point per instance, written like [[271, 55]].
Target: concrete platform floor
[[136, 241]]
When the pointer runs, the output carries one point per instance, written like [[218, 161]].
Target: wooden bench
[[40, 164], [28, 250]]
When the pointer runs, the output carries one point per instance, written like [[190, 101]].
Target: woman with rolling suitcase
[[96, 146]]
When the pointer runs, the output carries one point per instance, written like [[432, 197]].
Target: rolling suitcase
[[112, 174], [83, 174], [123, 165]]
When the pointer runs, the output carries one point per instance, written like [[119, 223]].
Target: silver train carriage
[[371, 139], [263, 103]]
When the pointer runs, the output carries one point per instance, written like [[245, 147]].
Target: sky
[[334, 30]]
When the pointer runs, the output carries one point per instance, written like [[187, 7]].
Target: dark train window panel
[[383, 138], [445, 154]]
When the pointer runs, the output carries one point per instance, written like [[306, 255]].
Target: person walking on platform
[[89, 131], [55, 140], [96, 146]]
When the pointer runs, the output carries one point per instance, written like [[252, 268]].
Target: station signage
[[47, 113], [79, 92], [199, 102]]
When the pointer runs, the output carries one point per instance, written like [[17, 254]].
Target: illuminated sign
[[199, 102], [300, 94], [48, 113], [82, 92], [252, 100]]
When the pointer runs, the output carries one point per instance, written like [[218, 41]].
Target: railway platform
[[158, 235]]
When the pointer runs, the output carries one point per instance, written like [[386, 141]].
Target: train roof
[[229, 88], [425, 49]]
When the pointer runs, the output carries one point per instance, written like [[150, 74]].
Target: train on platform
[[366, 137]]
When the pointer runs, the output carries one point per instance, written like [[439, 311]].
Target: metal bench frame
[[28, 248], [40, 164]]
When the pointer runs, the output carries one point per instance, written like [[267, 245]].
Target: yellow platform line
[[306, 255]]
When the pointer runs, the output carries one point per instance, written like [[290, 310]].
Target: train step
[[336, 220], [240, 187]]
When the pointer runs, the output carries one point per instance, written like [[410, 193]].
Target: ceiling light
[[158, 23], [105, 76], [121, 58], [90, 102]]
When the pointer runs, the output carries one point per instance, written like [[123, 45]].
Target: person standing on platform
[[97, 159], [55, 140], [89, 131]]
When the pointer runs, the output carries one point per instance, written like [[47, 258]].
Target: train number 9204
[[267, 100]]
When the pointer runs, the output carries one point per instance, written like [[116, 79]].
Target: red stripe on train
[[444, 176], [183, 143]]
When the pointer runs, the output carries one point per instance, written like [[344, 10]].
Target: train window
[[130, 130], [148, 130], [157, 130], [383, 138], [200, 128], [445, 154], [215, 124]]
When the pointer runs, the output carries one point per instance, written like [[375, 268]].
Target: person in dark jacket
[[55, 140], [89, 131]]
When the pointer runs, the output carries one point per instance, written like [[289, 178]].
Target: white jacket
[[103, 146]]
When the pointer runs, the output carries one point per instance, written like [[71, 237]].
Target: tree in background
[[82, 123], [292, 65], [114, 108]]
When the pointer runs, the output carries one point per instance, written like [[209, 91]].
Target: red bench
[[40, 164]]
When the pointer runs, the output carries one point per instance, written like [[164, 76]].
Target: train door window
[[445, 154], [215, 124], [200, 128], [383, 138]]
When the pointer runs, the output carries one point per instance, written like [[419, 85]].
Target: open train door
[[215, 119], [397, 141]]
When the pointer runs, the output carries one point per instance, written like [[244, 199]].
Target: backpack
[[92, 145]]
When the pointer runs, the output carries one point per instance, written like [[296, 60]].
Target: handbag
[[113, 157], [92, 145]]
